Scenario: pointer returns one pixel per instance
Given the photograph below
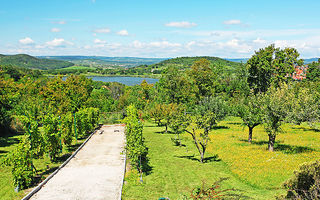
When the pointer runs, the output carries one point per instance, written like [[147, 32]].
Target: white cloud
[[59, 22], [123, 33], [55, 30], [232, 22], [259, 41], [102, 30], [58, 42], [98, 41], [183, 24], [26, 41]]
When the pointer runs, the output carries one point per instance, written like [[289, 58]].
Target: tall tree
[[271, 66], [202, 77], [174, 87]]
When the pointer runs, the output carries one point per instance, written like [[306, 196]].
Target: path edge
[[36, 189]]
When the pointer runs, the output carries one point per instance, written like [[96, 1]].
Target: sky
[[158, 28]]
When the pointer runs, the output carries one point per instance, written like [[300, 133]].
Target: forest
[[204, 114]]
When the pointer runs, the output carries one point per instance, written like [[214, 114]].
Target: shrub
[[21, 162], [305, 184]]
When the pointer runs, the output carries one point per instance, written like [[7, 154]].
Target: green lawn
[[250, 168], [44, 167]]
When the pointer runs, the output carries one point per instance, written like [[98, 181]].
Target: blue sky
[[158, 28]]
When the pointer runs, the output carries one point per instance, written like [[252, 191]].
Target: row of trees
[[261, 92], [51, 113]]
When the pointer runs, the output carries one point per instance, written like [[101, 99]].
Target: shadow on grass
[[306, 129], [284, 148], [214, 158], [41, 176], [3, 151], [164, 132], [63, 158], [220, 127], [235, 123], [8, 141], [178, 143], [74, 147]]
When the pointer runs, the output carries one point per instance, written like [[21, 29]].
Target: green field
[[44, 167], [251, 168]]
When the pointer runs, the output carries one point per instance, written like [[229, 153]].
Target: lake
[[127, 80]]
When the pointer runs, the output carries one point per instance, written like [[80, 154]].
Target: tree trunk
[[166, 128], [272, 139], [202, 156], [250, 134]]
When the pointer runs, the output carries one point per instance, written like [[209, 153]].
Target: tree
[[314, 71], [206, 115], [51, 135], [174, 86], [306, 106], [202, 78], [249, 110], [7, 94], [271, 66], [136, 149], [277, 105], [21, 162], [177, 122], [156, 112]]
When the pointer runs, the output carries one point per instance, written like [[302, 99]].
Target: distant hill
[[239, 60], [27, 61], [184, 63], [100, 61], [244, 60], [310, 60]]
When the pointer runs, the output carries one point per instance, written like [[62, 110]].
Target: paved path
[[96, 172]]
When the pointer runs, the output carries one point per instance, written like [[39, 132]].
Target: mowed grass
[[176, 170], [76, 67], [256, 166], [44, 167]]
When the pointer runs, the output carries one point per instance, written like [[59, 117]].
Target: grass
[[75, 67], [44, 167], [251, 168]]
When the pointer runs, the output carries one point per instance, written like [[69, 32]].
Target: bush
[[305, 184], [21, 162]]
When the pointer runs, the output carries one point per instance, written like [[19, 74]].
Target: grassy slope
[[251, 168], [26, 61], [44, 167], [175, 170]]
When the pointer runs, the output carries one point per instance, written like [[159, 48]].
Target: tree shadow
[[3, 151], [176, 142], [214, 158], [220, 127], [306, 129], [235, 123], [8, 141], [164, 132], [284, 148], [292, 149], [63, 158], [73, 147], [41, 176]]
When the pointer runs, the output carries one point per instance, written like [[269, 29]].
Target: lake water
[[123, 79]]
